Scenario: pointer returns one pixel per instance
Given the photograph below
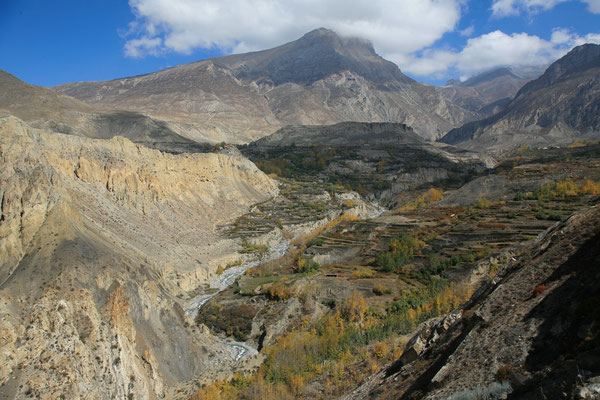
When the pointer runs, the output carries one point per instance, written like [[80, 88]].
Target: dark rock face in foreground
[[530, 333]]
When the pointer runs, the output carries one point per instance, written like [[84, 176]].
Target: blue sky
[[52, 42]]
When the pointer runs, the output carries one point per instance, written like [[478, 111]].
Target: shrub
[[381, 350], [555, 217], [493, 392], [305, 266], [503, 373], [277, 292], [433, 195], [263, 269], [236, 263], [402, 249], [363, 273], [331, 303], [318, 241], [220, 269], [519, 196], [380, 290], [430, 196], [565, 189], [483, 203], [544, 192], [354, 308], [541, 215], [248, 247], [349, 204]]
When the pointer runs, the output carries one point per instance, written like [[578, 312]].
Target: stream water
[[226, 279], [378, 210]]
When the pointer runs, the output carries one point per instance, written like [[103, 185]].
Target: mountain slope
[[46, 109], [318, 79], [101, 239], [314, 57], [488, 92], [342, 134], [380, 160], [517, 328], [561, 105]]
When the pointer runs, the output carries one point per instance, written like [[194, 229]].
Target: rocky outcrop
[[345, 134], [98, 240]]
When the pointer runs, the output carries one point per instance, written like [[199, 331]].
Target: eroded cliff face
[[99, 242]]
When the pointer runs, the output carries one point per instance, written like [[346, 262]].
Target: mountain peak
[[560, 105], [315, 56], [488, 76], [578, 59], [340, 42], [320, 32]]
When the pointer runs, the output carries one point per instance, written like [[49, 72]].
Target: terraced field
[[301, 202]]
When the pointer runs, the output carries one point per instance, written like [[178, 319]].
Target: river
[[226, 279]]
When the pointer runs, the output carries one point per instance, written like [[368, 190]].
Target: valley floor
[[346, 300]]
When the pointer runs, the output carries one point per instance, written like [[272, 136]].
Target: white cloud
[[503, 8], [497, 47], [142, 46], [593, 6], [494, 49], [561, 36], [467, 31], [592, 38], [243, 25], [432, 63]]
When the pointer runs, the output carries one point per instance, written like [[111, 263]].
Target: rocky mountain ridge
[[557, 108], [46, 109], [387, 158], [342, 134], [490, 91], [318, 79]]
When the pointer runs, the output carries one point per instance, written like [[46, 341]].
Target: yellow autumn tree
[[354, 308], [565, 189], [590, 187]]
